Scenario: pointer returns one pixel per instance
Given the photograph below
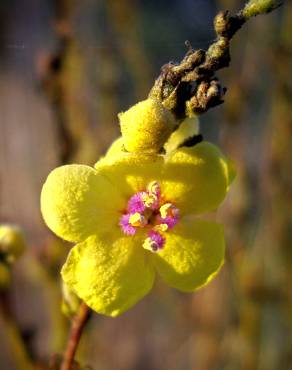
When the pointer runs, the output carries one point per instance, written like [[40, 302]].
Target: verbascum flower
[[134, 216]]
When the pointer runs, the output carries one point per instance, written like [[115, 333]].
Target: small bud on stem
[[192, 81], [256, 7]]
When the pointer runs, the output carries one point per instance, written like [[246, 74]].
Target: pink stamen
[[136, 203], [127, 228], [169, 221], [146, 209], [157, 239]]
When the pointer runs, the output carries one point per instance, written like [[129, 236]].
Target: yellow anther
[[153, 187], [161, 227], [168, 209], [149, 244], [136, 219], [149, 199]]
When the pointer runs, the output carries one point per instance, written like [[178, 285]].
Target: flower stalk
[[78, 324]]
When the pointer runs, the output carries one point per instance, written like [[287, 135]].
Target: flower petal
[[196, 179], [192, 255], [186, 130], [131, 172], [116, 148], [77, 202], [109, 273]]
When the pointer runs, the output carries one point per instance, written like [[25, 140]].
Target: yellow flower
[[134, 215]]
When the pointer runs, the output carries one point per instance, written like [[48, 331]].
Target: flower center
[[147, 210]]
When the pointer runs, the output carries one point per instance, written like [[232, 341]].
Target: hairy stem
[[77, 327]]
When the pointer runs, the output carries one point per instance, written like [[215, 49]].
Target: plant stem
[[191, 86], [77, 327]]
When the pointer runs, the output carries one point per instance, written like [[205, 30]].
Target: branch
[[191, 86]]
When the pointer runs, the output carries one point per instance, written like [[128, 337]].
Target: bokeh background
[[66, 69]]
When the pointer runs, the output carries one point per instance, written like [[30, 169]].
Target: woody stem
[[78, 324]]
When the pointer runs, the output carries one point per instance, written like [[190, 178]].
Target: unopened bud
[[219, 49], [187, 129], [146, 126], [12, 243], [256, 7], [221, 23]]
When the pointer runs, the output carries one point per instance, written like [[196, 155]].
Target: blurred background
[[66, 69]]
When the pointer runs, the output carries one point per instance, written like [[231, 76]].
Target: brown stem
[[77, 327], [191, 86]]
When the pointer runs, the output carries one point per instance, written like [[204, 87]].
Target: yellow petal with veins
[[110, 273], [74, 202], [196, 179], [192, 255]]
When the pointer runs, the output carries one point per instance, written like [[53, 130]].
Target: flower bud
[[255, 7], [187, 129], [12, 243], [146, 126], [221, 23]]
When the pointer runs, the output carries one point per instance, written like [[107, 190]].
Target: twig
[[191, 86], [78, 325]]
